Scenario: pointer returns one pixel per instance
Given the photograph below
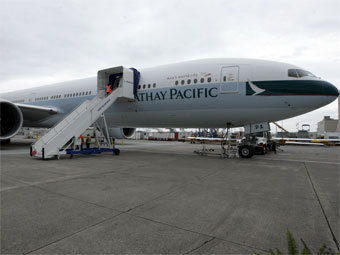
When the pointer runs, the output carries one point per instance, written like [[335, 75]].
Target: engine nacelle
[[122, 133], [10, 119]]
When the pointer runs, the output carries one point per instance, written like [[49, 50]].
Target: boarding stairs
[[54, 143]]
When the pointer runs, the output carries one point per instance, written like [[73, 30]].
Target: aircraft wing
[[36, 113]]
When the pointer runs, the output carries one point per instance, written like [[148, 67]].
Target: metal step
[[81, 118]]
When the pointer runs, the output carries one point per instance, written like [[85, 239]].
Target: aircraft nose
[[329, 89]]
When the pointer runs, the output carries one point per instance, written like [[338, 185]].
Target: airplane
[[194, 94]]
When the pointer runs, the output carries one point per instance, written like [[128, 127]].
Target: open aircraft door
[[229, 79], [125, 78]]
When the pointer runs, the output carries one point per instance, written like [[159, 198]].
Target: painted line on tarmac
[[301, 161]]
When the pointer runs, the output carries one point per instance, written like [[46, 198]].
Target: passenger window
[[154, 85], [139, 86], [209, 79], [195, 80], [86, 93], [224, 78], [176, 82], [149, 86], [144, 86], [189, 81], [90, 93], [202, 80], [74, 94], [182, 82]]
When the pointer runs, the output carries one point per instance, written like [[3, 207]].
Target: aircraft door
[[229, 79]]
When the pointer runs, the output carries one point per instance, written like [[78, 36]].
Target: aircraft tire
[[246, 151]]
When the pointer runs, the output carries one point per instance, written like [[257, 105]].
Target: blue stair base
[[89, 151]]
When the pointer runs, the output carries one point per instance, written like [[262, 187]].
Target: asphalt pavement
[[161, 198]]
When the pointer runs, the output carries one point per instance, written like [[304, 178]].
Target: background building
[[327, 125]]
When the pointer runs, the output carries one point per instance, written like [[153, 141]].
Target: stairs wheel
[[116, 152]]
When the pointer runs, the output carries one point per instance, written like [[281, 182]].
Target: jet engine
[[122, 133], [11, 119]]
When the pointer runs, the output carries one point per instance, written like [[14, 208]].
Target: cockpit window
[[303, 73], [292, 73], [298, 73]]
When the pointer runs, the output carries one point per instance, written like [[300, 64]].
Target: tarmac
[[161, 198]]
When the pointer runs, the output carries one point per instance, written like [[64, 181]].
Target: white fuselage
[[203, 93]]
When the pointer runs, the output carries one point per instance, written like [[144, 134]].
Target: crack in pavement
[[54, 180], [196, 232], [200, 246], [321, 206], [74, 233], [127, 212]]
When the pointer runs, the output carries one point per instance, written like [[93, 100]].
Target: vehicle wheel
[[116, 152], [246, 151]]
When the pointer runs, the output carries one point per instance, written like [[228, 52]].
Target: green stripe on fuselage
[[292, 87]]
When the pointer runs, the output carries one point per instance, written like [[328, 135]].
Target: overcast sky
[[46, 41]]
